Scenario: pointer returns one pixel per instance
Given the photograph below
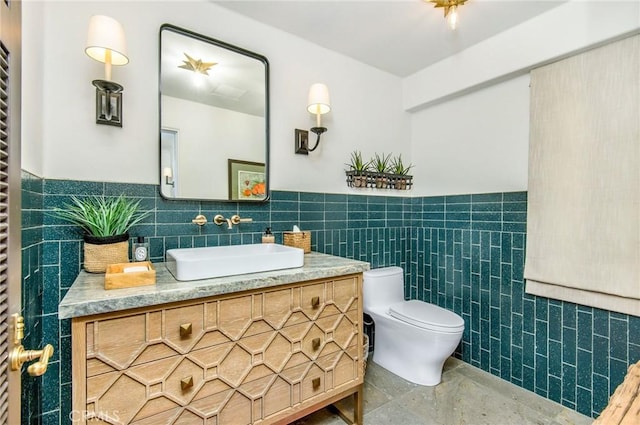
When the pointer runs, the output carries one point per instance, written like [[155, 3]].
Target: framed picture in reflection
[[246, 180]]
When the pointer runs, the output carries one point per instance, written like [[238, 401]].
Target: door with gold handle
[[11, 248], [18, 355]]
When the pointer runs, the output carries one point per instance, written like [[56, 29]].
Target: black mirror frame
[[235, 49]]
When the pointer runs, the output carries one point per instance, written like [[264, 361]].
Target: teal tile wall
[[368, 228], [468, 256], [31, 252], [464, 252]]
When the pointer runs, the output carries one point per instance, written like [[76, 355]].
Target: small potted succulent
[[106, 222], [358, 169], [381, 164], [401, 172]]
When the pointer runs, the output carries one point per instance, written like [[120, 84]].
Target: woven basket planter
[[99, 252]]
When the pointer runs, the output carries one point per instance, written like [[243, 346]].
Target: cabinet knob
[[315, 343], [315, 382], [186, 383], [315, 302], [186, 329]]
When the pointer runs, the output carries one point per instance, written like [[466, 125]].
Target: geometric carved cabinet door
[[257, 357]]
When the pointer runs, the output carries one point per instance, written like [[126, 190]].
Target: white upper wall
[[62, 141], [467, 133], [476, 143], [470, 130], [32, 88]]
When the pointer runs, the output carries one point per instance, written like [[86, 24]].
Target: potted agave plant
[[106, 222], [358, 170], [401, 171], [380, 164]]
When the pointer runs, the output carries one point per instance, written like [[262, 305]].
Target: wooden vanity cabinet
[[265, 356]]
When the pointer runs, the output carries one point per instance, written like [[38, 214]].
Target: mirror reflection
[[213, 119]]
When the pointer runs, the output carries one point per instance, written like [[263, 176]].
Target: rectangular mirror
[[214, 119]]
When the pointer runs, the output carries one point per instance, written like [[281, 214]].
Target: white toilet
[[412, 338]]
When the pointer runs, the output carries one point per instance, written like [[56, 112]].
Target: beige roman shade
[[583, 221]]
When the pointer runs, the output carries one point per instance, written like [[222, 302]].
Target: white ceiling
[[397, 36], [235, 82]]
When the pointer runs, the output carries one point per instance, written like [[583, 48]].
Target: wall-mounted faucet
[[235, 219], [220, 220]]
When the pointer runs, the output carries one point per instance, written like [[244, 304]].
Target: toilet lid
[[427, 316]]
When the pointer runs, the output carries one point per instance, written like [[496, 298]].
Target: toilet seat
[[427, 316]]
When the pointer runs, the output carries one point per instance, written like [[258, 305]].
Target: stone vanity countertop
[[87, 295]]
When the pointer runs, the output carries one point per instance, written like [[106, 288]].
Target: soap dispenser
[[268, 236], [140, 249]]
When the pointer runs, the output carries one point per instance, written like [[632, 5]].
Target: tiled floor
[[466, 395]]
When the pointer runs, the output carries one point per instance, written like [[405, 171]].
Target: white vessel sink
[[219, 261]]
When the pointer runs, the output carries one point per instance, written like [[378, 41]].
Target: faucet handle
[[200, 220], [237, 220], [219, 219]]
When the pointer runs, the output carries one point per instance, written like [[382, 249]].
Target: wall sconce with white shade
[[106, 43], [318, 104], [167, 172]]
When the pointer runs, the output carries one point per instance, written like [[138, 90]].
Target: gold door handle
[[19, 356], [186, 383], [315, 302], [315, 343], [315, 383], [186, 329]]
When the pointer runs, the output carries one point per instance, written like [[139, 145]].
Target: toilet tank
[[383, 286]]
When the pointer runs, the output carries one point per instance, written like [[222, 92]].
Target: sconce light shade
[[318, 103], [106, 43], [167, 172], [106, 37]]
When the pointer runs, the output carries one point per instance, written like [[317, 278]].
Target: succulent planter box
[[357, 179], [402, 182], [375, 180], [382, 181]]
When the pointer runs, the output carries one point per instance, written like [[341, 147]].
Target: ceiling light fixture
[[450, 10], [196, 65]]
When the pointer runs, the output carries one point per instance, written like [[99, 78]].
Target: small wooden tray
[[116, 277]]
